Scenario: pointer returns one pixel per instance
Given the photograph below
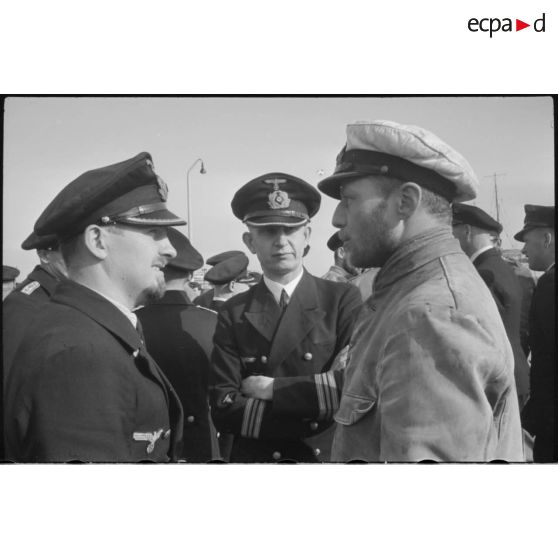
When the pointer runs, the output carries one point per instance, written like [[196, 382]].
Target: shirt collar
[[126, 311], [276, 288], [480, 251]]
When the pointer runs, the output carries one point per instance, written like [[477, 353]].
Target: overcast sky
[[50, 141]]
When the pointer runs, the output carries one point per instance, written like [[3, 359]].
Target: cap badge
[[162, 189], [278, 199]]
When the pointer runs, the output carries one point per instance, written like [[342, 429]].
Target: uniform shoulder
[[337, 287]]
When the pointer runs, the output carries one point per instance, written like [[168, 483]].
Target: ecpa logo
[[492, 25]]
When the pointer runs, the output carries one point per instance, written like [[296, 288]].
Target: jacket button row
[[276, 455], [190, 419]]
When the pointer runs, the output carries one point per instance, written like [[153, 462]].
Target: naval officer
[[273, 385], [82, 386]]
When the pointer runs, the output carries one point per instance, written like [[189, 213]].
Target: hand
[[258, 387]]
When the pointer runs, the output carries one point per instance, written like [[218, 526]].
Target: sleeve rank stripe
[[246, 418], [334, 395], [328, 398], [321, 396], [258, 419]]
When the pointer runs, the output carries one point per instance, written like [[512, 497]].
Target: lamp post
[[202, 171]]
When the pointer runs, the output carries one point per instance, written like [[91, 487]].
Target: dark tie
[[284, 300]]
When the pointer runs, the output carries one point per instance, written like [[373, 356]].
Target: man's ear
[[547, 239], [42, 253], [410, 196], [247, 239], [95, 240]]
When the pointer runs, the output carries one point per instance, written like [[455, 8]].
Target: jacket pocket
[[353, 408]]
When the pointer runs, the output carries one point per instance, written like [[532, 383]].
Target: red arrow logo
[[519, 25]]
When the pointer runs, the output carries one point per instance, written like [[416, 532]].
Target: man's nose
[[338, 220], [167, 249]]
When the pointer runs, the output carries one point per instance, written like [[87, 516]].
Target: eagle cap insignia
[[278, 199], [162, 189]]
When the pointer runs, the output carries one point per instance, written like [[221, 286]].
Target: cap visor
[[330, 185], [162, 218]]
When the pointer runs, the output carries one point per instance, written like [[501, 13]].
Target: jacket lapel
[[300, 317], [484, 256], [263, 312]]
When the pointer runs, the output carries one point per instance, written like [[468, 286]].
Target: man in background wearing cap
[[206, 298], [344, 272], [430, 371], [82, 387], [475, 230], [224, 277], [179, 336], [539, 236], [272, 386], [19, 310], [9, 275]]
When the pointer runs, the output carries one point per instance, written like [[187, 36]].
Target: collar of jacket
[[173, 297], [47, 281], [99, 309], [483, 256], [415, 253]]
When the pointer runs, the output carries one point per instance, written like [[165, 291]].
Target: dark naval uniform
[[20, 307], [507, 292], [205, 299], [541, 408], [84, 388], [179, 336], [297, 349]]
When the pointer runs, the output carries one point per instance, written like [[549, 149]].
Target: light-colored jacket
[[430, 371]]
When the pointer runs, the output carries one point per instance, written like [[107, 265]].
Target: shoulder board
[[206, 309], [30, 288]]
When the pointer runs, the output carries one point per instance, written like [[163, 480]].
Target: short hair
[[69, 248], [434, 204], [437, 206]]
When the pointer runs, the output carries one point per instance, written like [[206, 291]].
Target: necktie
[[284, 300]]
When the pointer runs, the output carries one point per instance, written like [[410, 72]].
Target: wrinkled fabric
[[430, 371]]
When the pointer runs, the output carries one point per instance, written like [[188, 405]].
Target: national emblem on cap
[[406, 152], [276, 199], [128, 192]]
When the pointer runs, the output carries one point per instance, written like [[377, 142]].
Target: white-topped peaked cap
[[406, 152]]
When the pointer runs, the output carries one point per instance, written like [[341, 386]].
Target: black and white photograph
[[239, 279]]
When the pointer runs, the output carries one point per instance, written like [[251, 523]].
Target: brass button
[[264, 359], [276, 455], [307, 356], [317, 452], [313, 426], [190, 419]]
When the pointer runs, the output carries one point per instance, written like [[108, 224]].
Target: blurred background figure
[[178, 335], [344, 271], [476, 230], [21, 306], [207, 294], [538, 234], [224, 277], [9, 275]]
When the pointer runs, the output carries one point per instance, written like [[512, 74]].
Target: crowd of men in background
[[421, 342]]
